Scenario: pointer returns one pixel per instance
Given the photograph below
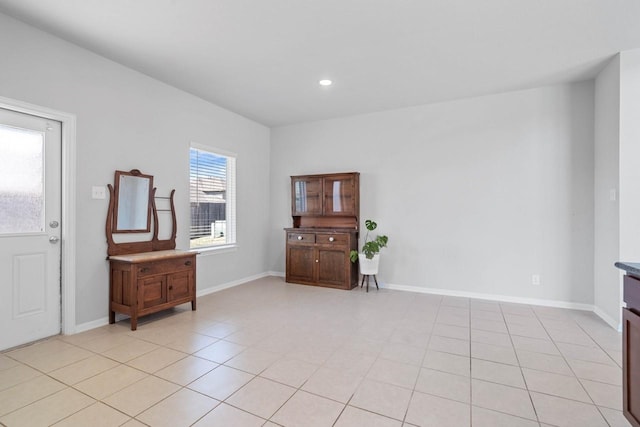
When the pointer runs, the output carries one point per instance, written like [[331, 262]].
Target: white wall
[[475, 195], [629, 155], [127, 120], [606, 211]]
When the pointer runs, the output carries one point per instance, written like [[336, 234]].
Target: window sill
[[212, 250]]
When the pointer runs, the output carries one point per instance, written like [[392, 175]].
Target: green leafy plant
[[371, 246]]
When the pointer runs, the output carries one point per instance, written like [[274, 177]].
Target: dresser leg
[[193, 304], [134, 323], [112, 317]]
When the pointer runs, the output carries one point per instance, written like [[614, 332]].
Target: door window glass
[[21, 181]]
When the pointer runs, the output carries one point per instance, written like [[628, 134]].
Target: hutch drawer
[[332, 239], [301, 238], [161, 267]]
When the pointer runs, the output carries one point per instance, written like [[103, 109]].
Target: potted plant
[[369, 256]]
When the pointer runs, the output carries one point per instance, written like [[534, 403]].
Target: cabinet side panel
[[353, 266], [194, 285], [128, 289], [632, 292], [121, 287], [631, 366], [116, 286]]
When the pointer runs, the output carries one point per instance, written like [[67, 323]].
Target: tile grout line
[[406, 412], [379, 357], [571, 368], [524, 379]]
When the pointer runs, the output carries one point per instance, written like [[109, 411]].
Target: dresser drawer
[[301, 237], [165, 266], [333, 239]]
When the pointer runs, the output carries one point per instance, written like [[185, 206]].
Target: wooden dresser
[[325, 210], [144, 283], [145, 276]]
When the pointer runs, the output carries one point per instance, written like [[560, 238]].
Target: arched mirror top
[[133, 200]]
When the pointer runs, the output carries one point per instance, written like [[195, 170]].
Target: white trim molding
[[444, 292], [200, 293], [518, 300], [68, 220], [207, 291], [493, 297], [615, 324]]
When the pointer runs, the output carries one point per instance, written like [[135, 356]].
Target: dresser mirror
[[133, 193]]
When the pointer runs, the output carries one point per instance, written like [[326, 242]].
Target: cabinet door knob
[[316, 260], [187, 263], [299, 237], [144, 270], [170, 287], [331, 239]]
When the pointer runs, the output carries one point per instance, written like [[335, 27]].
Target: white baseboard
[[447, 292], [494, 297], [202, 292], [615, 324], [228, 285], [90, 325]]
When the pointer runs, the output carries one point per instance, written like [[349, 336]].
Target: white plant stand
[[368, 268]]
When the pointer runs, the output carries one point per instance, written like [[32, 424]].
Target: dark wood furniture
[[326, 212], [144, 283], [631, 343], [321, 257], [145, 276]]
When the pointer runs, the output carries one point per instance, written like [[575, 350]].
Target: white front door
[[30, 229]]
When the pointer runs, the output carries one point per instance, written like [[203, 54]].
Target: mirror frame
[[138, 174]]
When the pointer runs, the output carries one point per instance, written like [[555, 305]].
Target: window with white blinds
[[212, 196]]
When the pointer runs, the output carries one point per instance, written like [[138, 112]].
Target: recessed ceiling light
[[325, 82]]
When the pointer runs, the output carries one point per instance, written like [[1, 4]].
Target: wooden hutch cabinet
[[325, 210]]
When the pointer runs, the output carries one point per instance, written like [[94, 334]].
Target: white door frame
[[68, 218]]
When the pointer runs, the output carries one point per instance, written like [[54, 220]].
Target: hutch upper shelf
[[329, 200]]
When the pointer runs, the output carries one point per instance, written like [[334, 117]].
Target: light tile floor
[[268, 353]]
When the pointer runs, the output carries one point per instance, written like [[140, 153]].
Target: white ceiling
[[263, 58]]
